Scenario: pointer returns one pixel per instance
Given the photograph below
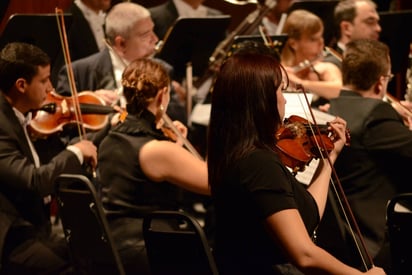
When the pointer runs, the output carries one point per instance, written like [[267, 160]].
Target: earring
[[162, 108]]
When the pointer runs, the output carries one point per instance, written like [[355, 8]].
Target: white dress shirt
[[24, 121]]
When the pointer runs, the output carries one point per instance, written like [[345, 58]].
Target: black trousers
[[29, 253]]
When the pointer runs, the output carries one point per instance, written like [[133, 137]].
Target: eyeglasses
[[389, 76]]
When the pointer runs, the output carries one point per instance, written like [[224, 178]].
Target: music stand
[[193, 40], [278, 41], [391, 24], [322, 8], [399, 43], [37, 29]]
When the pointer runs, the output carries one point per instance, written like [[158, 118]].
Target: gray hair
[[122, 18]]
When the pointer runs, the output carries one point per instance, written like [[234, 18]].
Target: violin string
[[348, 215]]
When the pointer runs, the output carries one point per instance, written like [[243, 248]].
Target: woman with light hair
[[303, 56]]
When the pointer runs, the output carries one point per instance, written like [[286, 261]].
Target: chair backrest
[[85, 226], [176, 244], [399, 224]]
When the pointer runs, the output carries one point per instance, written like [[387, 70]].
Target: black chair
[[399, 223], [85, 227], [177, 244]]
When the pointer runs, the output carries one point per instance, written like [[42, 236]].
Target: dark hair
[[364, 61], [244, 112], [141, 81], [20, 60], [346, 11]]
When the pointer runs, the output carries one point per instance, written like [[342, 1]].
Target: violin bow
[[70, 75], [168, 121], [356, 234], [65, 47], [398, 104]]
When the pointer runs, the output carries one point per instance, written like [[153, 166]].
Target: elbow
[[205, 190], [305, 263], [307, 259]]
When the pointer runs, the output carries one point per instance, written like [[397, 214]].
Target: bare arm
[[287, 229], [330, 84], [167, 161], [320, 183]]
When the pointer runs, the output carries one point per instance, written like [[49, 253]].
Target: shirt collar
[[341, 45], [119, 65], [24, 120]]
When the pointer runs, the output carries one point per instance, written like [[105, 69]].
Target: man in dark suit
[[129, 31], [27, 245], [355, 19], [373, 169], [165, 15]]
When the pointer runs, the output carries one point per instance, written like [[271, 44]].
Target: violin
[[305, 141], [59, 111], [297, 142], [171, 132], [308, 64]]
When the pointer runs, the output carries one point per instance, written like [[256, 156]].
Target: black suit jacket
[[90, 73], [96, 72], [165, 15], [376, 165], [22, 186]]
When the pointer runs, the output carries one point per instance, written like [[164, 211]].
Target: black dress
[[127, 193], [254, 188]]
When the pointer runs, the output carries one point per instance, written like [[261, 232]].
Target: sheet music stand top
[[37, 29], [399, 44], [193, 40], [278, 41], [392, 23]]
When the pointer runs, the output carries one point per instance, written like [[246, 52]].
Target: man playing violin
[[27, 245], [374, 168]]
